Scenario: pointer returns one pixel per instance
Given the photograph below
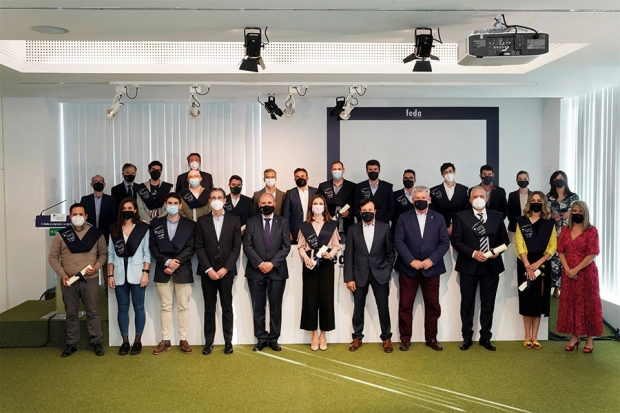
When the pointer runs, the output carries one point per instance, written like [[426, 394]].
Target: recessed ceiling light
[[49, 29]]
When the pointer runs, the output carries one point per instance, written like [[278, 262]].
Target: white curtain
[[226, 135], [593, 166]]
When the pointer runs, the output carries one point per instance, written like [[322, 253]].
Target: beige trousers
[[182, 292]]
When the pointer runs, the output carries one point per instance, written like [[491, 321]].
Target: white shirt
[[303, 195], [374, 188], [484, 219], [270, 218], [234, 201], [421, 220], [218, 222], [409, 195], [449, 191], [369, 234]]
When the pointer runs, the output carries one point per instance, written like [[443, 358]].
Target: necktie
[[130, 191], [267, 230], [484, 241]]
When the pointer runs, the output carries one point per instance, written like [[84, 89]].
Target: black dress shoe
[[136, 348], [466, 344], [208, 348], [98, 348], [487, 344], [275, 346], [259, 346], [228, 348], [124, 349], [70, 349]]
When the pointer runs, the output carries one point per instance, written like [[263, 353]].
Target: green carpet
[[513, 379]]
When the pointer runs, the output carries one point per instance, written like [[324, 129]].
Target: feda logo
[[413, 113]]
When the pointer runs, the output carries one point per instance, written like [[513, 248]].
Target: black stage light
[[252, 41], [422, 66], [423, 47], [272, 108], [339, 106]]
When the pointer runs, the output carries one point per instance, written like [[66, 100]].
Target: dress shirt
[[421, 220], [337, 188], [97, 209], [317, 224], [409, 195], [218, 222], [374, 188], [303, 195], [484, 219], [270, 222], [127, 186], [369, 233], [234, 201], [523, 201], [172, 230], [449, 191]]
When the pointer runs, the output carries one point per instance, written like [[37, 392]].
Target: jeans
[[122, 297]]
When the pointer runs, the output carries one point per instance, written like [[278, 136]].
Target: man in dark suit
[[270, 177], [380, 192], [368, 261], [421, 240], [297, 202], [266, 244], [339, 192], [476, 231], [403, 198], [517, 200], [449, 198], [126, 188], [101, 208], [218, 243], [172, 247], [238, 204], [496, 196], [194, 162]]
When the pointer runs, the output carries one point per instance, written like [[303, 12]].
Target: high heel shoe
[[314, 346], [322, 344], [576, 345], [588, 350]]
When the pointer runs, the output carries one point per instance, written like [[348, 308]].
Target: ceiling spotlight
[[252, 41], [289, 106], [423, 47], [344, 106], [337, 110], [116, 103], [193, 104], [349, 105], [271, 107]]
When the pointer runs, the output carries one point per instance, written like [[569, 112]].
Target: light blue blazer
[[134, 264]]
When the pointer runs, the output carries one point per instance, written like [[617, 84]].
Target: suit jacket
[[119, 192], [275, 252], [358, 261], [412, 245], [345, 196], [466, 241], [243, 210], [188, 212], [292, 209], [144, 211], [207, 181], [135, 263], [214, 253], [384, 200], [108, 213], [401, 205], [279, 201], [514, 209], [497, 201], [449, 207], [183, 274]]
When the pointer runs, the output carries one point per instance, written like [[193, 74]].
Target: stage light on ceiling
[[252, 42], [289, 104], [349, 105], [271, 107], [193, 104], [116, 103], [337, 110], [423, 47], [344, 106]]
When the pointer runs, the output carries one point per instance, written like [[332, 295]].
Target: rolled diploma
[[318, 255], [523, 285], [243, 228], [343, 209], [497, 250], [75, 277]]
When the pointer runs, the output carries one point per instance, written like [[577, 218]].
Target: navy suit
[[383, 199], [244, 208], [401, 205], [449, 207], [292, 209], [107, 213], [345, 196], [119, 192]]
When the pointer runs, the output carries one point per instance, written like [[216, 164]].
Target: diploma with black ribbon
[[497, 250], [79, 275], [525, 284], [340, 212], [318, 256]]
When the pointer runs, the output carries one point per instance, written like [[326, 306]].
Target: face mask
[[193, 182], [129, 178], [172, 209], [128, 214], [577, 218], [479, 203], [300, 182], [368, 216], [318, 209], [420, 205], [217, 205], [77, 221], [98, 186], [236, 190], [337, 175], [523, 184], [373, 176], [155, 175], [536, 206], [559, 183], [487, 180], [194, 165], [449, 177], [267, 209], [408, 184], [270, 182]]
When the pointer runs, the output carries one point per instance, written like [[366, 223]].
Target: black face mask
[[236, 190], [155, 174], [98, 186], [129, 178], [577, 218], [128, 214], [559, 183], [487, 180], [420, 205], [536, 206], [408, 184], [267, 209], [300, 182], [523, 184], [373, 176], [368, 216]]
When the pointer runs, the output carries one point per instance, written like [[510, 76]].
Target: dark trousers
[[88, 291], [317, 305], [210, 288], [259, 291], [432, 309], [488, 289], [381, 293]]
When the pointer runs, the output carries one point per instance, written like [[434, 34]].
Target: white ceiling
[[596, 22]]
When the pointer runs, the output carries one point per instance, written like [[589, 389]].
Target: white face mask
[[449, 177], [217, 205], [193, 182], [270, 182], [318, 209], [77, 221], [194, 165], [479, 203]]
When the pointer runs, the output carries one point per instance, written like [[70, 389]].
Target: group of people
[[408, 230]]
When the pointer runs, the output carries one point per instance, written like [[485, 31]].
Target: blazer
[[292, 209], [144, 211], [384, 200], [183, 274], [449, 207], [188, 212], [401, 205], [358, 262], [108, 212], [345, 196], [465, 241], [214, 253], [514, 209], [243, 210], [412, 245], [279, 201], [497, 201], [119, 193], [275, 252], [207, 181], [135, 263]]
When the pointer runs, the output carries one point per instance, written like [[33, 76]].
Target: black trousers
[[381, 293], [210, 288], [260, 290], [317, 305], [488, 289]]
